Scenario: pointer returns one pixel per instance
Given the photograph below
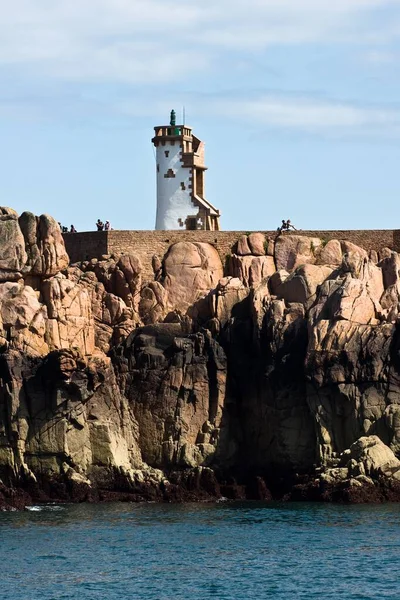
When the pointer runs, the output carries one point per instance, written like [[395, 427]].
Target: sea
[[224, 550]]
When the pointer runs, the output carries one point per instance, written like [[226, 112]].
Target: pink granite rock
[[191, 271], [257, 243], [294, 250]]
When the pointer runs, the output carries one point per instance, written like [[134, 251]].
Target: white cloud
[[51, 47], [304, 113], [152, 40], [313, 116], [293, 112]]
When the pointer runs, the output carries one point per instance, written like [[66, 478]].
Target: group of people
[[103, 226], [65, 229], [99, 224], [286, 226]]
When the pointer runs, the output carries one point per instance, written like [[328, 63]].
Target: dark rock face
[[175, 384], [279, 379]]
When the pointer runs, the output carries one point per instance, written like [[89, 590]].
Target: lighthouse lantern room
[[181, 202]]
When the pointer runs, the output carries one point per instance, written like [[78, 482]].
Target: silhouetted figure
[[64, 229], [99, 225], [286, 226], [73, 230], [290, 226], [283, 227], [107, 226]]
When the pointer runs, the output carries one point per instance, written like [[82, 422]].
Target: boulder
[[23, 318], [373, 256], [243, 248], [270, 251], [375, 457], [330, 254], [352, 302], [301, 286], [260, 299], [128, 280], [294, 250], [191, 271], [257, 243], [384, 253], [251, 270], [12, 246], [353, 249], [44, 244], [390, 266], [276, 280], [153, 303], [226, 297], [70, 323]]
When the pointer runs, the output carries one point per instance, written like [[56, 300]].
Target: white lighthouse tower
[[181, 203]]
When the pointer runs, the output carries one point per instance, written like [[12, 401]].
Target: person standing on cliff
[[99, 225], [73, 230], [107, 226]]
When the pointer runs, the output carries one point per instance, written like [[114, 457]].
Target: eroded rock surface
[[275, 376]]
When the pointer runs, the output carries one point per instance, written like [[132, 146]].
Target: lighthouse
[[181, 202]]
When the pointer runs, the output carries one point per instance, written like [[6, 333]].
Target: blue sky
[[298, 102]]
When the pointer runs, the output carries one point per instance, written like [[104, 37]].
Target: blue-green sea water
[[228, 551]]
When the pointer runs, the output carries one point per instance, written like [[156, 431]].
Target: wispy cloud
[[278, 110], [152, 40], [313, 115], [58, 49]]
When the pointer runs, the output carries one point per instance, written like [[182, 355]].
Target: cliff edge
[[274, 375]]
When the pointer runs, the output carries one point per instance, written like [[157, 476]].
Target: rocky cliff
[[275, 375]]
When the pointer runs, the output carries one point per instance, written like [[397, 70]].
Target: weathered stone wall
[[86, 245], [93, 244]]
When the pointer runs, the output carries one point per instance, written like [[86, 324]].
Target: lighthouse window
[[183, 186], [166, 153], [158, 168]]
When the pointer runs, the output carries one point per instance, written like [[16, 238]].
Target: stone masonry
[[145, 244]]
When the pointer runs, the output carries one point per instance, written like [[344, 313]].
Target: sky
[[297, 101]]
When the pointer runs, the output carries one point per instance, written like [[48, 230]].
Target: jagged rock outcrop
[[277, 375], [190, 272], [44, 245], [13, 256]]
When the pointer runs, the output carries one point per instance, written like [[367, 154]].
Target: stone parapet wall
[[94, 244]]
